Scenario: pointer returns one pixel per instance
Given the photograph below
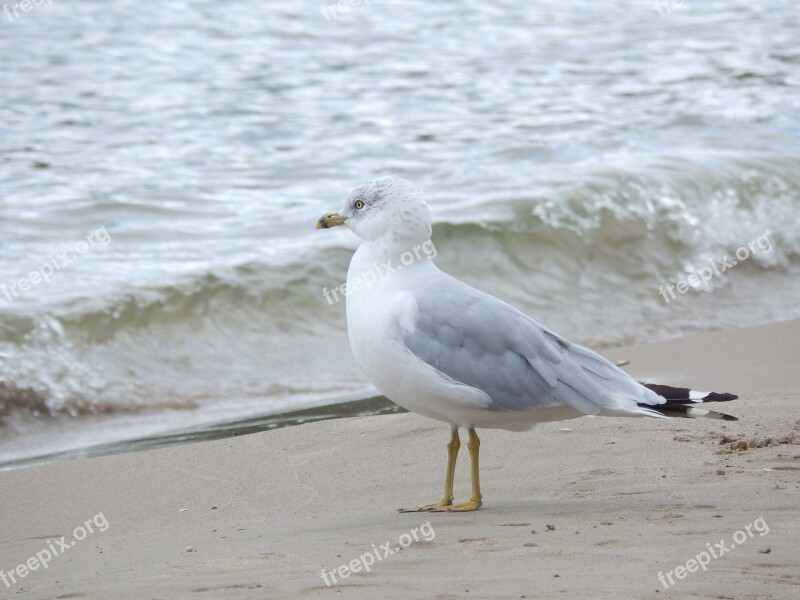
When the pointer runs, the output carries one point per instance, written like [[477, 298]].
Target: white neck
[[377, 262]]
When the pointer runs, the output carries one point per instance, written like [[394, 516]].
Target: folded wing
[[480, 341]]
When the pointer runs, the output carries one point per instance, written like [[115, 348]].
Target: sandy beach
[[594, 508]]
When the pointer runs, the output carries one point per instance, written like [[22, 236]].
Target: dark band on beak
[[329, 220]]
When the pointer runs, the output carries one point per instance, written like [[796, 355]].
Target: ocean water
[[162, 166]]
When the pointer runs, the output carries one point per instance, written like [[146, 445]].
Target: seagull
[[442, 349]]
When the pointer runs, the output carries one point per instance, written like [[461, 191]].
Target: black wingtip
[[687, 411], [677, 395]]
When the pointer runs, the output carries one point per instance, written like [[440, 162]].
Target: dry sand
[[597, 511]]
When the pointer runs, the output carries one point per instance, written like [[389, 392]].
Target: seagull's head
[[386, 207]]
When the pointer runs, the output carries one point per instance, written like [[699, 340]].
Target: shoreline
[[355, 406], [594, 506], [216, 430]]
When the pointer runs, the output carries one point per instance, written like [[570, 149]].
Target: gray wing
[[480, 341]]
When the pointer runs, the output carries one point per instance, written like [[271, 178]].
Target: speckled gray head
[[389, 206]]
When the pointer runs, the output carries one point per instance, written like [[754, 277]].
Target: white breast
[[376, 317]]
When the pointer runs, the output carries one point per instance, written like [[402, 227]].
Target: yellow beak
[[329, 220]]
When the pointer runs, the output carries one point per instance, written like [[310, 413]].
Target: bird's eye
[[359, 204]]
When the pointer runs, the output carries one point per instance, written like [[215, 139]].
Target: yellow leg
[[474, 502], [447, 499]]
